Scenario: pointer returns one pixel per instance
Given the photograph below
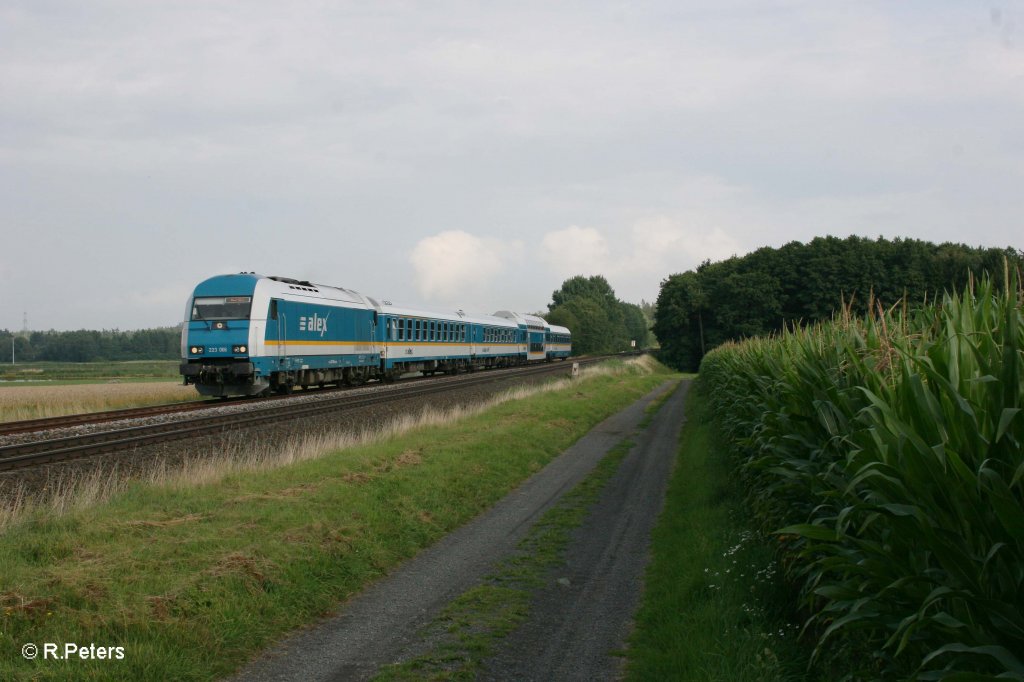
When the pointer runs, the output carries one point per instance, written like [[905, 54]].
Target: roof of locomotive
[[554, 328]]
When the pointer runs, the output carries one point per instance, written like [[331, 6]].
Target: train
[[251, 335]]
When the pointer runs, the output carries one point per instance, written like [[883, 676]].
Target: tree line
[[799, 283], [83, 345], [599, 322]]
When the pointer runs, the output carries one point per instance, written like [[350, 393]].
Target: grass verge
[[192, 581], [714, 606]]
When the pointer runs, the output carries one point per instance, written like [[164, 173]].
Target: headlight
[[196, 350], [238, 349]]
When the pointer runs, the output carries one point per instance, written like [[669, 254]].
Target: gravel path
[[607, 557], [573, 628]]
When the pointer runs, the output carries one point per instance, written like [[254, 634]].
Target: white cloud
[[576, 251], [637, 259], [459, 269], [662, 244]]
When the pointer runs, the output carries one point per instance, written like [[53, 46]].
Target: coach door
[[374, 321]]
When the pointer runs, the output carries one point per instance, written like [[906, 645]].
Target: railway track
[[58, 449], [66, 421]]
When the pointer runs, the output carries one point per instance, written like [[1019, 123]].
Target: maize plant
[[888, 453]]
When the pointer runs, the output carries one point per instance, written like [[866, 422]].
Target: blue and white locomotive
[[248, 334]]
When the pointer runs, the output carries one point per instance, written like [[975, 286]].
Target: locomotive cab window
[[221, 307]]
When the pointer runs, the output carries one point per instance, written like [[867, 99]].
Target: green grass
[[50, 373], [714, 604], [193, 582]]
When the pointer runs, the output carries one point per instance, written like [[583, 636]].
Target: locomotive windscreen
[[221, 308]]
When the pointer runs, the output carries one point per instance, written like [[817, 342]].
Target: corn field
[[887, 453]]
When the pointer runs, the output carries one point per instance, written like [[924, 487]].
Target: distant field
[[19, 401], [84, 372]]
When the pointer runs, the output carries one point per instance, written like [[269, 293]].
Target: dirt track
[[583, 613]]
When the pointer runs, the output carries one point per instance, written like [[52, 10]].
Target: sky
[[476, 154]]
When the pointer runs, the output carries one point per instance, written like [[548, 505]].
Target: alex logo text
[[313, 323]]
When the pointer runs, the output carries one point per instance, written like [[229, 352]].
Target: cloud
[[636, 259], [649, 248], [661, 243], [458, 268], [576, 250]]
